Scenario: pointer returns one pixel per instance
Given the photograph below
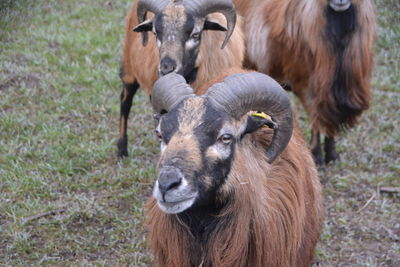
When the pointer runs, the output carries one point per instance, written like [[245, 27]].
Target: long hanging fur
[[273, 214], [327, 58]]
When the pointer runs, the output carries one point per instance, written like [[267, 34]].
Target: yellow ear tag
[[262, 115]]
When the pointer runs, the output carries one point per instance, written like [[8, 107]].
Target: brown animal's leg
[[126, 102], [316, 148], [330, 149]]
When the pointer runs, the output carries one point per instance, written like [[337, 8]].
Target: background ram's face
[[178, 39], [197, 144]]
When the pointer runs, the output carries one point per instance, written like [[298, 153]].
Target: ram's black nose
[[169, 179], [167, 65]]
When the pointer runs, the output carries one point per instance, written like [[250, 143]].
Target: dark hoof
[[318, 157], [123, 147], [331, 156]]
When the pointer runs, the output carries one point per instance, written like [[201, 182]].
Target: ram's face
[[197, 144], [178, 37], [200, 134]]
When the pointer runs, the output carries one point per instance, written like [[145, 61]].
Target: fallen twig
[[43, 214], [367, 203]]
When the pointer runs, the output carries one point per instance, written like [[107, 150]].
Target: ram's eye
[[158, 134], [226, 138], [196, 35]]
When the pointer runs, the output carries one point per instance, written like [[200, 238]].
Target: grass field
[[65, 199]]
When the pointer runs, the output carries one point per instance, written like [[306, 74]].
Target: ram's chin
[[176, 207], [341, 7]]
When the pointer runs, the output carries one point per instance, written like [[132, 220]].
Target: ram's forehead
[[191, 114], [175, 15]]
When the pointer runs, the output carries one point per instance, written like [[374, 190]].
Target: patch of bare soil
[[30, 80], [368, 235]]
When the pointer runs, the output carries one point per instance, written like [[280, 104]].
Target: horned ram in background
[[323, 51], [230, 191], [186, 39]]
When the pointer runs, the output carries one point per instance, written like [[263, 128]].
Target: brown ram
[[231, 192], [186, 40], [323, 51]]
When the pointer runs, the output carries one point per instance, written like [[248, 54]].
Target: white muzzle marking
[[177, 199]]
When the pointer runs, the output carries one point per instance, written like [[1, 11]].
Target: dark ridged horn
[[202, 8], [154, 6], [169, 91], [241, 93]]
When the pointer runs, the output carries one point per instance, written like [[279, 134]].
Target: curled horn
[[169, 91], [204, 7], [154, 6], [240, 93]]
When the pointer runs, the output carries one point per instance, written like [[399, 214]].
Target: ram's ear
[[254, 123], [145, 26], [213, 26]]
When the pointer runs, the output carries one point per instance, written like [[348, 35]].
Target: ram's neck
[[201, 221]]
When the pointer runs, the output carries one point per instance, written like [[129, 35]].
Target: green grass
[[59, 108], [58, 123]]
